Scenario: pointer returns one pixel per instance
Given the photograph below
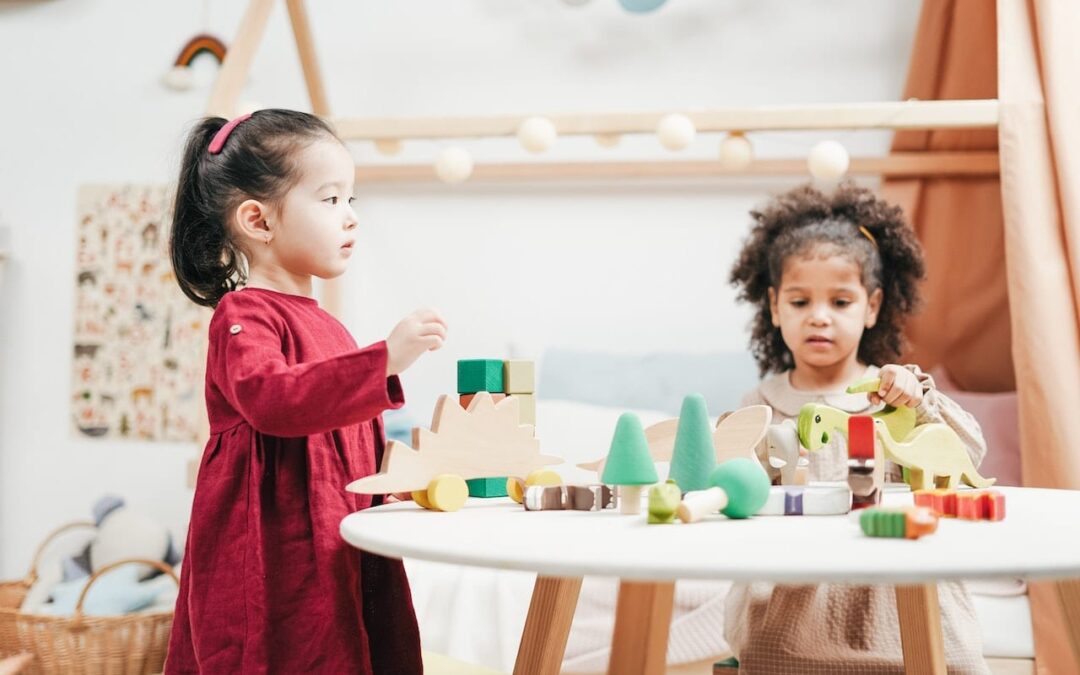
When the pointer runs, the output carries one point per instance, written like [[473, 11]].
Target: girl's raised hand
[[422, 331], [899, 386]]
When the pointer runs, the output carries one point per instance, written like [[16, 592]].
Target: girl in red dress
[[268, 585]]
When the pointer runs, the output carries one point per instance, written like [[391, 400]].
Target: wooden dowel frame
[[916, 164], [970, 114]]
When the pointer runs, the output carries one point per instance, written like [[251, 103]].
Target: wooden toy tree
[[694, 457], [629, 464]]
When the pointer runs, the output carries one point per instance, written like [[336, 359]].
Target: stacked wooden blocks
[[963, 504], [501, 379]]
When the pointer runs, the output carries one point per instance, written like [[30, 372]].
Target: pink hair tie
[[223, 134]]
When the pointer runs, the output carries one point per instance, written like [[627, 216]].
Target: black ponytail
[[257, 162]]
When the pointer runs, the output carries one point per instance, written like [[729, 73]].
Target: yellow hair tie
[[866, 233]]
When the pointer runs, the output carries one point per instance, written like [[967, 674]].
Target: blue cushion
[[655, 381]]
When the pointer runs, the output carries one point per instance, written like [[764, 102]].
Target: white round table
[[1037, 540]]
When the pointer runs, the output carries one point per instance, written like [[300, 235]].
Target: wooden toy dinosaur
[[933, 455], [486, 440], [899, 420]]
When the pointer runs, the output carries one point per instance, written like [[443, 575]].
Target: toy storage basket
[[129, 644]]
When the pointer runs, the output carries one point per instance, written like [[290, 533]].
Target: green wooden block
[[882, 523], [487, 487], [725, 666], [475, 375]]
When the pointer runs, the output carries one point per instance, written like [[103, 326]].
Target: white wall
[[516, 268]]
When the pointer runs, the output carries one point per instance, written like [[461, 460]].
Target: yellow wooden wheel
[[515, 488], [447, 492], [420, 497]]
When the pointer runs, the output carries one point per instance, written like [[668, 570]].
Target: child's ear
[[873, 305], [251, 218], [774, 309]]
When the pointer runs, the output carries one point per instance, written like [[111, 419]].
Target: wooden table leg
[[642, 619], [547, 626], [1069, 594], [920, 629]]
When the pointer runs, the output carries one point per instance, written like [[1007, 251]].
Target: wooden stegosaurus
[[485, 441]]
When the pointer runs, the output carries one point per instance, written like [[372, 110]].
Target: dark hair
[[805, 220], [257, 162]]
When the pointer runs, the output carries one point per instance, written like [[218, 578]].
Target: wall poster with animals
[[138, 340]]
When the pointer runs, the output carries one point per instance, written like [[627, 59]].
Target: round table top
[[1037, 539]]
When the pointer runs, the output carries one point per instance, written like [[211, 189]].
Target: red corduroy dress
[[268, 585]]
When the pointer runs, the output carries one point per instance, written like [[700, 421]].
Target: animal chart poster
[[139, 341]]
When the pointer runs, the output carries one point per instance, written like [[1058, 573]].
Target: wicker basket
[[12, 593], [130, 644]]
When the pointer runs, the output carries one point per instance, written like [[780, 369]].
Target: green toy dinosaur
[[899, 420]]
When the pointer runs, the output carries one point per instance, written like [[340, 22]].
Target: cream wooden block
[[526, 407], [519, 377], [487, 440]]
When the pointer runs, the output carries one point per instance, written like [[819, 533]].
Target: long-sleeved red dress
[[268, 585]]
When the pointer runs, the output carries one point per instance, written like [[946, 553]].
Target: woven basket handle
[[32, 575], [77, 618]]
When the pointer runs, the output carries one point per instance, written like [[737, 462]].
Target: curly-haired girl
[[834, 276]]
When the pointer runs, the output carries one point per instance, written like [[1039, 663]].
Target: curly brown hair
[[804, 220]]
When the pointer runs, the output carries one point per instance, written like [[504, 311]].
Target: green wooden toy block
[[882, 523], [475, 375], [487, 487]]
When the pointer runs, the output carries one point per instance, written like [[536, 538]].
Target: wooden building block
[[466, 399], [526, 407], [487, 487], [519, 377], [969, 505], [993, 505], [475, 375], [910, 523], [944, 502], [860, 437]]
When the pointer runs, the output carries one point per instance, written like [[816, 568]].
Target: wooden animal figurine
[[909, 523], [933, 455], [780, 454], [900, 421], [485, 441]]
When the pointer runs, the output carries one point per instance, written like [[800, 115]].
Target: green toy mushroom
[[629, 464]]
